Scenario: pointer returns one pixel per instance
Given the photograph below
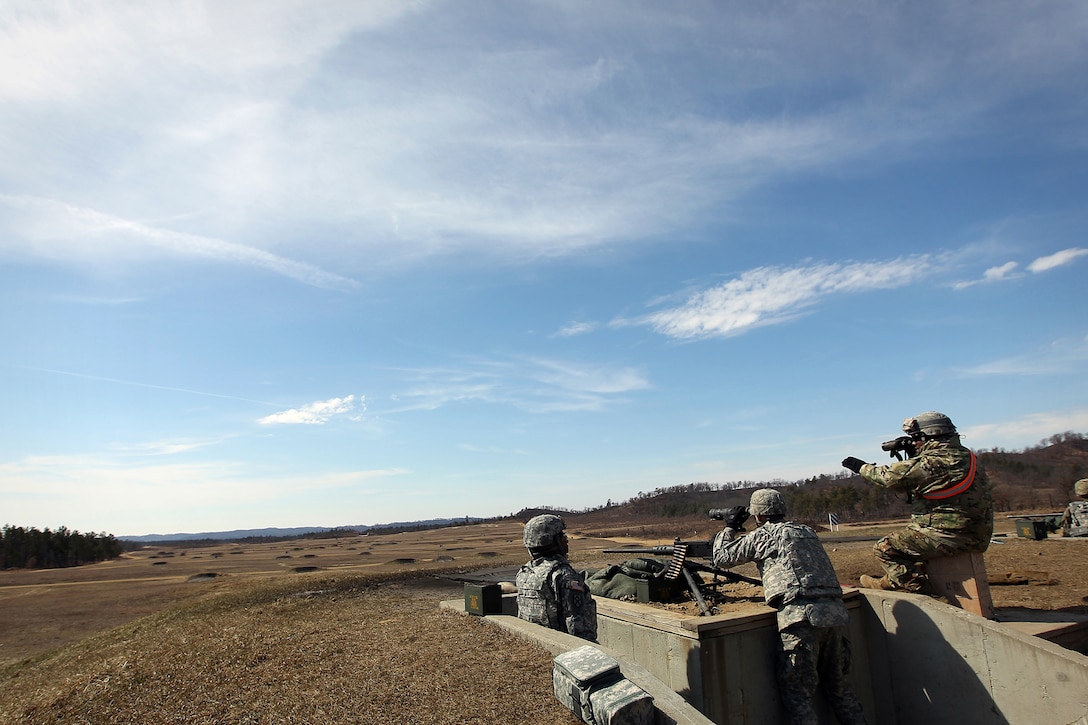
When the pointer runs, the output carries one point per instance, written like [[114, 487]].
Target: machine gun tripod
[[682, 566]]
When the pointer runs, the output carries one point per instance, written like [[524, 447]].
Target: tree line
[[22, 548]]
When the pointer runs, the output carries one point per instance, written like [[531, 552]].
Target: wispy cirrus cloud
[[1062, 357], [167, 447], [572, 329], [412, 138], [993, 274], [773, 295], [72, 233], [538, 385], [135, 384], [318, 412]]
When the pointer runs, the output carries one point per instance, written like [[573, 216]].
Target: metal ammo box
[[1030, 529], [653, 590], [481, 599]]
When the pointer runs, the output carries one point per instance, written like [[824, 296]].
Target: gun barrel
[[726, 573], [659, 550]]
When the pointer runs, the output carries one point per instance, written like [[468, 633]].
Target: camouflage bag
[[620, 581], [590, 684]]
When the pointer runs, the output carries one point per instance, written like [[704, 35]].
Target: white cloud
[[576, 328], [84, 492], [539, 385], [65, 232], [1026, 430], [1063, 357], [136, 384], [60, 51], [772, 295], [167, 447], [1043, 264], [538, 138], [993, 274], [317, 413]]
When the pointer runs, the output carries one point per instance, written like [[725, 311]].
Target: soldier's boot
[[868, 582]]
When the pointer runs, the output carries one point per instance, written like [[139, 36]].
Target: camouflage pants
[[904, 554], [814, 657]]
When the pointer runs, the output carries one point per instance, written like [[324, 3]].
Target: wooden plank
[[962, 580]]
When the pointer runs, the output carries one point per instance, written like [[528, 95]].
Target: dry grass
[[347, 650], [360, 640], [41, 610]]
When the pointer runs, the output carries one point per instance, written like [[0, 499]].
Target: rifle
[[682, 565]]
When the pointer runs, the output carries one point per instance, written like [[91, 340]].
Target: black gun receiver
[[681, 564]]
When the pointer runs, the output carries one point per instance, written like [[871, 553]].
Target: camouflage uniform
[[552, 594], [800, 582], [939, 526], [1075, 519]]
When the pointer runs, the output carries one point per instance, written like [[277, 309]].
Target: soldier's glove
[[854, 464], [735, 517]]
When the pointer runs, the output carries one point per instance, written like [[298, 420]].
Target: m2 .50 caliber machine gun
[[683, 565]]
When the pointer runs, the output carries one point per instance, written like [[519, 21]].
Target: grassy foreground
[[361, 649]]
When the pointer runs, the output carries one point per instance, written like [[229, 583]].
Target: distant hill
[[227, 535], [1039, 478], [298, 532]]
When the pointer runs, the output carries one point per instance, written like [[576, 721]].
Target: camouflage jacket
[[968, 516], [1075, 519], [552, 594], [798, 578]]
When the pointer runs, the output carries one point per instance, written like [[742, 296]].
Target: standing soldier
[[951, 508], [550, 592], [800, 582]]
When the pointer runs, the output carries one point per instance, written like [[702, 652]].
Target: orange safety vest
[[955, 488]]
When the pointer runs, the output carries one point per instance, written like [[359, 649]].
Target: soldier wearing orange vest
[[951, 508]]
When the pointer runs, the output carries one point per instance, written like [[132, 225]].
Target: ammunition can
[[1029, 529], [481, 599], [652, 590]]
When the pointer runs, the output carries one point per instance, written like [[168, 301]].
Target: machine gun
[[896, 447], [681, 565]]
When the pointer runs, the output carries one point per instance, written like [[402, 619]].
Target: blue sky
[[298, 263]]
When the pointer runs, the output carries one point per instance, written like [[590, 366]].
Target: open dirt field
[[349, 630], [44, 609]]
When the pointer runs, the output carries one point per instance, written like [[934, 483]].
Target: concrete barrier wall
[[915, 660], [724, 665], [944, 665]]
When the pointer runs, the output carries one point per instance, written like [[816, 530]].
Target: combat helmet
[[1081, 487], [543, 533], [930, 424], [767, 502]]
